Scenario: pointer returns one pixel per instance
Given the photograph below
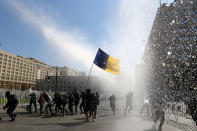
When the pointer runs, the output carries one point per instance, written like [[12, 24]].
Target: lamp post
[[56, 80]]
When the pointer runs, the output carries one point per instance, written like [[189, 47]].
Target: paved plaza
[[105, 122]]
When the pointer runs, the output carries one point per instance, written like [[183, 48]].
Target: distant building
[[170, 55], [65, 71], [17, 72], [67, 83]]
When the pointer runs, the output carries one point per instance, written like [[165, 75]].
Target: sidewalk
[[185, 124], [105, 122]]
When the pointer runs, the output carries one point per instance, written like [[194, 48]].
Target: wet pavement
[[105, 122]]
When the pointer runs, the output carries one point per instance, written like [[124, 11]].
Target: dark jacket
[[12, 102]]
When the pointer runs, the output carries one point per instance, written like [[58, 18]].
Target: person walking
[[94, 104], [11, 105], [88, 104], [97, 102], [112, 100], [129, 101], [32, 101], [49, 101], [58, 102], [158, 115], [70, 102], [64, 103], [145, 106], [82, 105], [76, 101], [41, 102]]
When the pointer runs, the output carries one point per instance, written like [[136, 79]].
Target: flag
[[106, 62]]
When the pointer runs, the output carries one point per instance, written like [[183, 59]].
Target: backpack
[[13, 99]]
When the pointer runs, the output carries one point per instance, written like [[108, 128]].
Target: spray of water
[[128, 29]]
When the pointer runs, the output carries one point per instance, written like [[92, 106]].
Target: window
[[188, 47], [182, 47], [194, 12], [183, 30], [195, 38], [195, 20], [195, 28], [184, 38], [166, 40], [181, 13], [166, 30], [185, 20], [180, 22]]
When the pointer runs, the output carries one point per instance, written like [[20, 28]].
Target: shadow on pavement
[[105, 115], [34, 115], [69, 124], [81, 118], [151, 129]]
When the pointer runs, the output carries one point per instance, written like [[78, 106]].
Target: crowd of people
[[154, 110], [65, 104], [87, 102]]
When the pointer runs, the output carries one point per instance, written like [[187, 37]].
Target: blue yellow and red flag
[[106, 62]]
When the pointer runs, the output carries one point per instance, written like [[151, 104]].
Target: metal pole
[[56, 78], [89, 74], [47, 80]]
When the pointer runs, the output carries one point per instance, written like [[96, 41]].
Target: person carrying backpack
[[32, 101], [64, 103], [49, 101], [11, 105], [41, 101], [76, 101], [82, 105], [71, 100]]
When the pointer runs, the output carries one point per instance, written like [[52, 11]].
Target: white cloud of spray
[[66, 43], [69, 44], [128, 29]]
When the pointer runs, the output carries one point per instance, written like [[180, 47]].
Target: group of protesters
[[128, 103], [156, 107], [87, 102]]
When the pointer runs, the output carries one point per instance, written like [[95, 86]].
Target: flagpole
[[89, 75]]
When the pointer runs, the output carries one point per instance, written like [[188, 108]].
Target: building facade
[[170, 55], [17, 72], [67, 83], [65, 71]]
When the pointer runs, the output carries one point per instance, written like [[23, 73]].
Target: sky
[[69, 33]]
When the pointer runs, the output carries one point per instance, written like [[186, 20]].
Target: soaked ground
[[105, 122]]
